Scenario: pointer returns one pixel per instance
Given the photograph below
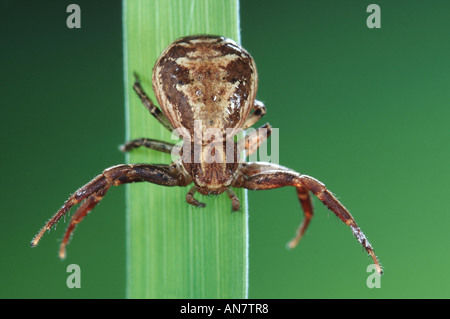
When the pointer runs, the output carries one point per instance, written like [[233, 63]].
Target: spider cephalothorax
[[206, 87]]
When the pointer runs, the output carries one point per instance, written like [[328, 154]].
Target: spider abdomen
[[208, 79]]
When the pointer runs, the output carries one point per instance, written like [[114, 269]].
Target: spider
[[201, 83]]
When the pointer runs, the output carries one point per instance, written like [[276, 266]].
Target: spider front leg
[[86, 206], [92, 193], [306, 202], [259, 176]]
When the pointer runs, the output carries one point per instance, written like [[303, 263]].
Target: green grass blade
[[175, 250]]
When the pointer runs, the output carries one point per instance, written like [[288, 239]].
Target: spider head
[[213, 171], [212, 178]]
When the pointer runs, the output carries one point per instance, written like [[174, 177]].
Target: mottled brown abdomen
[[205, 78]]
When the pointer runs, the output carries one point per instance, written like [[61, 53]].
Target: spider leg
[[259, 111], [82, 211], [235, 204], [253, 141], [191, 200], [93, 192], [259, 176], [306, 202], [149, 143], [149, 105]]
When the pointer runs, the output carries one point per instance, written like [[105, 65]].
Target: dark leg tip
[[136, 77]]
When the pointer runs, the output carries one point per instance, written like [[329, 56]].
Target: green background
[[366, 111]]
